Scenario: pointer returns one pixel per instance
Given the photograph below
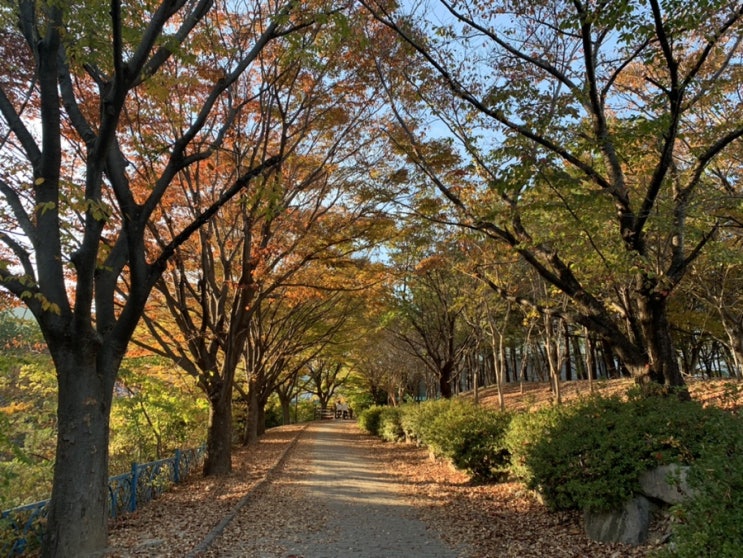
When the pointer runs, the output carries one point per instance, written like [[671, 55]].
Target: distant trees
[[429, 315]]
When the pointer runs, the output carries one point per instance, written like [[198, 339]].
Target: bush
[[525, 428], [390, 427], [469, 435], [418, 419], [369, 419], [711, 524], [592, 455], [477, 443]]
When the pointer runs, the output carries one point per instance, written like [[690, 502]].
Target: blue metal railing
[[22, 528]]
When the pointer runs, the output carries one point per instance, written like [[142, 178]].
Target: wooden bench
[[324, 414]]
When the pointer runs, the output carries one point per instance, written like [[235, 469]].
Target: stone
[[667, 483], [629, 525]]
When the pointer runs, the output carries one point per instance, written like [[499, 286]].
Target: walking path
[[330, 500], [326, 490]]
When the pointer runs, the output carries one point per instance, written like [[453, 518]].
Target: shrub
[[469, 435], [524, 429], [418, 419], [478, 444], [711, 523], [390, 427], [593, 454], [369, 419]]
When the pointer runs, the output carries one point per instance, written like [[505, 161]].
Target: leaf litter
[[492, 520]]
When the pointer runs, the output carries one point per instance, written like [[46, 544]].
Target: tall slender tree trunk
[[567, 358], [554, 360], [78, 513], [476, 374], [286, 409], [734, 332], [610, 364], [499, 363], [251, 425], [590, 360], [261, 418], [578, 358]]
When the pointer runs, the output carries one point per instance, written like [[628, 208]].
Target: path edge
[[219, 528]]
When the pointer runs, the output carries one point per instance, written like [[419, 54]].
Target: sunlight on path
[[366, 517]]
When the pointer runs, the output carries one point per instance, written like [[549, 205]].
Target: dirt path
[[331, 500]]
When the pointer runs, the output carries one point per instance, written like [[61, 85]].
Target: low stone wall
[[659, 489]]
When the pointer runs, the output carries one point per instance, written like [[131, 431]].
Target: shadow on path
[[363, 513]]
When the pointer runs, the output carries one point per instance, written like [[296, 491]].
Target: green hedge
[[591, 454], [468, 435], [369, 419]]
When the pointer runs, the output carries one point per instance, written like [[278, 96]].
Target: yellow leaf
[[39, 181]]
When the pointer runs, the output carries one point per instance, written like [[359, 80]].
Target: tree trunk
[[261, 419], [219, 435], [554, 359], [567, 359], [735, 342], [590, 360], [662, 367], [609, 363], [445, 375], [579, 358], [499, 363], [476, 373], [251, 425], [77, 523], [286, 410]]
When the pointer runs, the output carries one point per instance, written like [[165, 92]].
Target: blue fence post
[[114, 500], [133, 493], [177, 466]]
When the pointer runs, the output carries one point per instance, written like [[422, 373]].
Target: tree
[[74, 228], [287, 333], [154, 413], [563, 117], [430, 320], [326, 376], [218, 285]]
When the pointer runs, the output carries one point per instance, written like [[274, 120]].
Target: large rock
[[629, 525], [667, 483]]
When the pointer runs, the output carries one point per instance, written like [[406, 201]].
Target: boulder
[[629, 525], [667, 483]]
